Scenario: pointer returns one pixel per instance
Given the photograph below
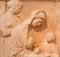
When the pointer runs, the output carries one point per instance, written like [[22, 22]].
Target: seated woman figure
[[22, 45]]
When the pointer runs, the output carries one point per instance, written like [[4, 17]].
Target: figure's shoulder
[[3, 16], [19, 28]]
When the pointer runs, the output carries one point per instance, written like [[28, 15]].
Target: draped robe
[[19, 39]]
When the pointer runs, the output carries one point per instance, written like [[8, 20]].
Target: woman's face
[[36, 22]]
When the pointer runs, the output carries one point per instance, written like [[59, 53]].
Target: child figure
[[48, 47]]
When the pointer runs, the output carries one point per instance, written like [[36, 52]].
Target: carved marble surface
[[33, 36]]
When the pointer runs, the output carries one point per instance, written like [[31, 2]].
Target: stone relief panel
[[29, 29]]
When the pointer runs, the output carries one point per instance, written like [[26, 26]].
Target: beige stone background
[[52, 10], [2, 10]]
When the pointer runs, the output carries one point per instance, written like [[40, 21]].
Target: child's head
[[50, 37]]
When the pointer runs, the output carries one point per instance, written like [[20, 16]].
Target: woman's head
[[38, 19], [14, 5], [36, 22]]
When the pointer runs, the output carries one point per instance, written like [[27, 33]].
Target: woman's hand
[[30, 43]]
